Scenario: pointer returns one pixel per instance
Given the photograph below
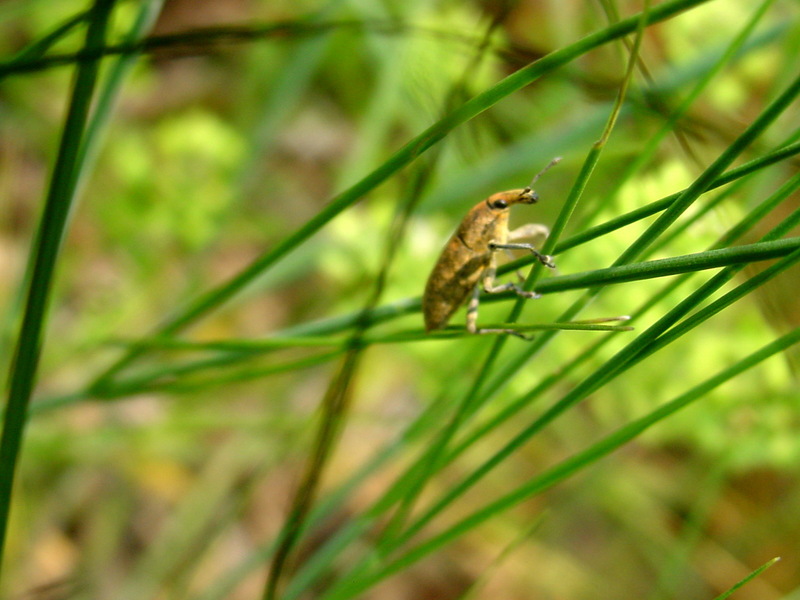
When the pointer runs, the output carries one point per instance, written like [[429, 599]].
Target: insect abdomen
[[450, 283]]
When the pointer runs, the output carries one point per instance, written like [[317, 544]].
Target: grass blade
[[52, 226]]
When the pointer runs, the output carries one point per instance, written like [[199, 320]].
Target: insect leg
[[546, 260], [529, 230], [527, 338], [517, 272], [472, 318], [490, 288], [472, 310]]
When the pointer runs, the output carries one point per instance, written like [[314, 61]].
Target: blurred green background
[[168, 483]]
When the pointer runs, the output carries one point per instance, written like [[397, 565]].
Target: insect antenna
[[552, 163]]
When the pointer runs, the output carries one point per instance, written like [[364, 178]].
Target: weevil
[[468, 261]]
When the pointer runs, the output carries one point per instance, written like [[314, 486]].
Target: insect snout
[[528, 196]]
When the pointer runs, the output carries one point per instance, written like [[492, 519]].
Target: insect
[[468, 261]]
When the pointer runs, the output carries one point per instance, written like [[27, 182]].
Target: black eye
[[500, 204]]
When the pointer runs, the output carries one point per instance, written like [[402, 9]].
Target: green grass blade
[[671, 123], [748, 579], [648, 210], [112, 84], [753, 217], [45, 253], [664, 267], [236, 351]]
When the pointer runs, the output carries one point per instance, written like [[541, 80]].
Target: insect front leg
[[527, 231], [546, 260], [531, 231]]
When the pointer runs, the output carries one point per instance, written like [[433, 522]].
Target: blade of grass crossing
[[757, 164], [654, 338], [706, 178], [514, 364], [112, 84], [39, 48], [102, 106], [350, 587], [234, 351]]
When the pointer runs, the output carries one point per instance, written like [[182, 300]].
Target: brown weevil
[[468, 262]]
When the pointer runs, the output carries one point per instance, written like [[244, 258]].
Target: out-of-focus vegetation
[[174, 411]]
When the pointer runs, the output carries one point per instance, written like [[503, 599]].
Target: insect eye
[[500, 204]]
